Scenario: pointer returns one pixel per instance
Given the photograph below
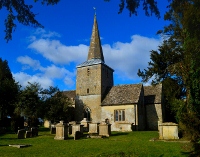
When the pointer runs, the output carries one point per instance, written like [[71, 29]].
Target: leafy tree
[[35, 102], [19, 10], [29, 103], [8, 90], [57, 106], [178, 59], [149, 6]]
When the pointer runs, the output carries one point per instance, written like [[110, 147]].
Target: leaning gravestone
[[21, 134]]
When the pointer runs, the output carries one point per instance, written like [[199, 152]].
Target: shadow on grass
[[119, 133], [195, 152], [42, 129]]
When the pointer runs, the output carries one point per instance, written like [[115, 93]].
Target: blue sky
[[49, 56]]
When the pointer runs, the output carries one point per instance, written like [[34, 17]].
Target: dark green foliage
[[149, 6], [56, 105], [8, 90], [35, 102], [19, 10], [178, 59]]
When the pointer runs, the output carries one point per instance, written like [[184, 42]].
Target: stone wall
[[153, 114], [93, 103], [130, 117], [141, 112], [93, 80]]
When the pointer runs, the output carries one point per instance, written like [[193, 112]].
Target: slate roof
[[70, 94], [153, 94], [90, 62], [123, 94]]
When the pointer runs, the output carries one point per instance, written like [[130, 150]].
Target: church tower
[[94, 79]]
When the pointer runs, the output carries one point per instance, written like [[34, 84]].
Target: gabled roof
[[123, 94], [70, 94], [153, 94]]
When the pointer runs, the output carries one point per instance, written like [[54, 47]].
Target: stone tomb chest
[[61, 131], [168, 131]]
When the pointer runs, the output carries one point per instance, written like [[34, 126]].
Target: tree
[[180, 61], [149, 6], [19, 10], [29, 103], [56, 105], [35, 102], [9, 90]]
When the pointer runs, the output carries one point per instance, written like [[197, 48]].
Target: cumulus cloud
[[29, 62], [45, 75], [124, 58], [127, 58], [24, 78]]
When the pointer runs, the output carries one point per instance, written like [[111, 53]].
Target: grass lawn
[[119, 144]]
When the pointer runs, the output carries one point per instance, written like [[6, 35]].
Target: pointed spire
[[95, 50]]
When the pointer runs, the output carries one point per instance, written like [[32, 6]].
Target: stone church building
[[96, 99]]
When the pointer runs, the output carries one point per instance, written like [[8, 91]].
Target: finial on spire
[[94, 10]]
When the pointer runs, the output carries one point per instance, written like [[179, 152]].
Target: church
[[126, 107]]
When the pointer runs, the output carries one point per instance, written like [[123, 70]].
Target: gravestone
[[77, 135], [77, 127], [61, 131], [93, 128], [104, 129], [34, 131], [28, 134], [85, 124], [53, 129], [21, 134]]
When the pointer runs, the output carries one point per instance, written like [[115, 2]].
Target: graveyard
[[136, 143]]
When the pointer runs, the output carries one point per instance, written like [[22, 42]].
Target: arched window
[[87, 113]]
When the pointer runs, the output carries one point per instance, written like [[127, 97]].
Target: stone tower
[[94, 79]]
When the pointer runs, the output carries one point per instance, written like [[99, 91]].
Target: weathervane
[[94, 10]]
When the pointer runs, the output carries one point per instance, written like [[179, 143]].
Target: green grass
[[119, 144]]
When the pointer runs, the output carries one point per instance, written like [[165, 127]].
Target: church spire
[[95, 50]]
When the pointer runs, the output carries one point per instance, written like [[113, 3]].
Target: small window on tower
[[88, 72], [88, 90]]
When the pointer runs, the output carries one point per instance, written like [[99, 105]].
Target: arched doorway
[[87, 113]]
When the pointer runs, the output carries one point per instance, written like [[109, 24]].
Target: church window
[[88, 90], [119, 115], [87, 113], [88, 72]]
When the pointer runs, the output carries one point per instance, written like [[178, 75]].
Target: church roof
[[90, 62], [70, 94], [123, 94], [153, 94], [95, 49]]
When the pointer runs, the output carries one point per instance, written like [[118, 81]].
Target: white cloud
[[58, 53], [124, 58], [127, 58], [45, 76], [24, 78], [29, 62]]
